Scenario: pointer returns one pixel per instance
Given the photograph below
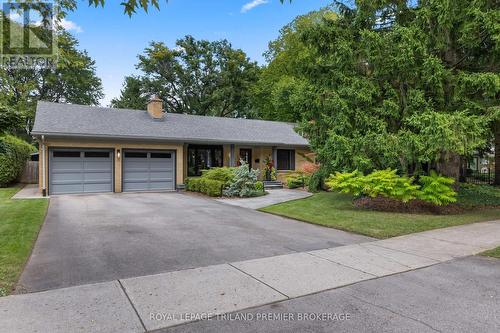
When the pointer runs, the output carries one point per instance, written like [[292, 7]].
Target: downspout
[[44, 185]]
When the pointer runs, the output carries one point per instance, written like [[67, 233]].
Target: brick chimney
[[155, 107]]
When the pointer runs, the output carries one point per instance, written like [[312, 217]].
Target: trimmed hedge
[[210, 187], [14, 153]]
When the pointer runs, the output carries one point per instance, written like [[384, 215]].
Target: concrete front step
[[272, 184]]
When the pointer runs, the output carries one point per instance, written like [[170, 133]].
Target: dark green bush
[[209, 187], [14, 153], [224, 174], [316, 182]]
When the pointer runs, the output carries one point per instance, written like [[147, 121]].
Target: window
[[285, 159], [66, 154], [131, 154], [161, 155], [202, 158], [96, 154]]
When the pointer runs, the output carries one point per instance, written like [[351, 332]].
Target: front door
[[246, 155]]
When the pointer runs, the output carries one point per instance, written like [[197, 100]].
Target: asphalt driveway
[[94, 238]]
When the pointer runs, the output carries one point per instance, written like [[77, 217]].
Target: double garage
[[93, 170]]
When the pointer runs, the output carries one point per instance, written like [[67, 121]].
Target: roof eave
[[179, 140]]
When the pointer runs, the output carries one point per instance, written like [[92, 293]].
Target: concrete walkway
[[29, 191], [164, 300], [273, 197]]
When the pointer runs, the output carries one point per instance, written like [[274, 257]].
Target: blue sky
[[114, 40]]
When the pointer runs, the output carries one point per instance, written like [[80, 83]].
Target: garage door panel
[[80, 171], [161, 185], [96, 187], [148, 170], [99, 177], [66, 189]]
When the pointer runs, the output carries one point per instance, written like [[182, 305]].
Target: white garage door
[[148, 171], [80, 171]]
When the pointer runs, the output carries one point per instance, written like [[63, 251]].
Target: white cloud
[[16, 17], [70, 25], [251, 5]]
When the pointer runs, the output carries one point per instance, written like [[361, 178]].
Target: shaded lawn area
[[337, 211], [492, 253], [20, 221]]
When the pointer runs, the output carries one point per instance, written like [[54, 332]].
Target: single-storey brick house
[[93, 149]]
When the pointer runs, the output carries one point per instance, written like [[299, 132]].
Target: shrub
[[347, 182], [259, 186], [437, 189], [14, 153], [310, 168], [315, 182], [210, 187], [297, 180], [224, 174], [388, 184], [478, 195], [244, 182]]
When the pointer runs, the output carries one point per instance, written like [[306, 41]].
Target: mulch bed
[[412, 207]]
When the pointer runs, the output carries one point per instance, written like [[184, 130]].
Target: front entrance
[[203, 158], [246, 155]]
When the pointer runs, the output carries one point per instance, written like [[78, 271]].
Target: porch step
[[272, 185]]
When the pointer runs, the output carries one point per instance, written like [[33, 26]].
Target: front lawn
[[20, 221], [336, 210], [492, 253]]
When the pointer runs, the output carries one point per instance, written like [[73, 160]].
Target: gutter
[[179, 140]]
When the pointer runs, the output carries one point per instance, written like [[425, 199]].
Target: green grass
[[20, 221], [336, 210], [492, 253]]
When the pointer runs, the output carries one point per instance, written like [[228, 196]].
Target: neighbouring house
[[94, 149]]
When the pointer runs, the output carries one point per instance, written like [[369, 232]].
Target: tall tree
[[73, 80], [395, 83], [131, 96], [197, 77]]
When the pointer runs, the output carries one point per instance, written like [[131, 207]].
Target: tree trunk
[[497, 153], [448, 165]]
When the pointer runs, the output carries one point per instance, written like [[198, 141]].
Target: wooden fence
[[30, 173]]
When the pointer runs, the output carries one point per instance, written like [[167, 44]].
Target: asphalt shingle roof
[[89, 121]]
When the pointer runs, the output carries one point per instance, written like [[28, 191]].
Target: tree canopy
[[73, 80], [195, 77], [389, 83]]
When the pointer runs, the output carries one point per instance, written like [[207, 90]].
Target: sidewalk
[[164, 300]]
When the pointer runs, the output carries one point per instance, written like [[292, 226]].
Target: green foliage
[[316, 182], [347, 182], [437, 189], [259, 187], [224, 174], [74, 80], [210, 187], [471, 195], [387, 84], [296, 180], [388, 184], [434, 188], [195, 77], [131, 96], [244, 182], [14, 153]]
